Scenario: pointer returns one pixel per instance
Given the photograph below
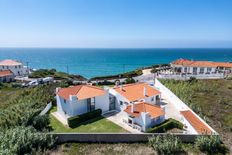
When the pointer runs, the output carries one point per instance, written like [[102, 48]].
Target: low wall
[[114, 137]]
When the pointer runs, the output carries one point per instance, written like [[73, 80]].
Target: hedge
[[74, 121], [166, 125]]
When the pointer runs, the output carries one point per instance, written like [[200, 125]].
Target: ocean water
[[98, 62]]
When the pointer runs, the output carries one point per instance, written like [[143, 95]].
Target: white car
[[33, 83], [48, 79]]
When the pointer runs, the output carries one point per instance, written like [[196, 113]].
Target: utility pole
[[123, 68], [67, 69], [27, 66]]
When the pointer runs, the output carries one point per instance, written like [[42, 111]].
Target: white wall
[[18, 70], [118, 98], [102, 102]]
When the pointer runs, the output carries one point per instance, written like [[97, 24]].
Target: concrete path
[[117, 118], [60, 118]]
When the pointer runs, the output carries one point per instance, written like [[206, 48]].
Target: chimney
[[144, 91], [57, 89], [121, 87], [132, 107]]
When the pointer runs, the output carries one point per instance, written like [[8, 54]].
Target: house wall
[[73, 106], [18, 70], [9, 78], [102, 102], [190, 69], [118, 98]]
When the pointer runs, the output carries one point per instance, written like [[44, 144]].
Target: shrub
[[130, 80], [166, 144], [41, 122], [166, 125], [210, 144], [23, 140], [74, 121]]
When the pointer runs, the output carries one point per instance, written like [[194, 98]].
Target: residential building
[[143, 115], [77, 100], [185, 66], [15, 67], [193, 124], [6, 76], [123, 95]]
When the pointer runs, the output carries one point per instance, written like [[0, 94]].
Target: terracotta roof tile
[[81, 92], [5, 73], [9, 62], [186, 62], [196, 123], [134, 92], [153, 110]]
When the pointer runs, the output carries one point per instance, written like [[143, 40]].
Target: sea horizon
[[92, 62]]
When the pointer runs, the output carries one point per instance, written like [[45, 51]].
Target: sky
[[116, 23]]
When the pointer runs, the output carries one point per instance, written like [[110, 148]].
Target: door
[[112, 102]]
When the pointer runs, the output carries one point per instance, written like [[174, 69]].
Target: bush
[[41, 122], [130, 80], [210, 144], [23, 140], [166, 144], [165, 126], [74, 121]]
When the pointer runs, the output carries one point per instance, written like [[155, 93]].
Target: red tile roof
[[81, 92], [5, 73], [134, 92], [196, 123], [153, 110], [186, 62], [9, 62]]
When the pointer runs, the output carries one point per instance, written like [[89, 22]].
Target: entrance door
[[112, 102]]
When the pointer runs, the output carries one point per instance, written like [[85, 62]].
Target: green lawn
[[96, 125]]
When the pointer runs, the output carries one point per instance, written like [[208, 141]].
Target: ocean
[[99, 62]]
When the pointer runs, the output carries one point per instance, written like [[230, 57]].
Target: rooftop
[[186, 62], [9, 62], [81, 92], [134, 92], [5, 73], [153, 110], [196, 123]]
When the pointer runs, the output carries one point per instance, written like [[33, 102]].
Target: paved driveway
[[117, 118]]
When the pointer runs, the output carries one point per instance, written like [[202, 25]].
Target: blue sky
[[116, 23]]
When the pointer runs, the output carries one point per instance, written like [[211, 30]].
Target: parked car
[[33, 83], [48, 79]]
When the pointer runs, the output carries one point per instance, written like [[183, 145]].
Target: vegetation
[[165, 126], [42, 73], [76, 120], [129, 80], [209, 98], [22, 130], [210, 144], [22, 140], [166, 144], [118, 76]]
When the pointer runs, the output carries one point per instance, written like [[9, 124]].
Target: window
[[64, 101], [209, 70], [202, 70], [16, 67], [121, 103], [185, 69], [194, 70], [125, 103]]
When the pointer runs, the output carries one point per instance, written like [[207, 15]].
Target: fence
[[186, 77], [115, 137], [46, 109]]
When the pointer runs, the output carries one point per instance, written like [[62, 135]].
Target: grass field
[[96, 125], [212, 99]]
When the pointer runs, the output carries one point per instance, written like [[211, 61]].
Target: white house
[[80, 99], [139, 102], [122, 96], [6, 76], [143, 115], [200, 67], [15, 67]]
